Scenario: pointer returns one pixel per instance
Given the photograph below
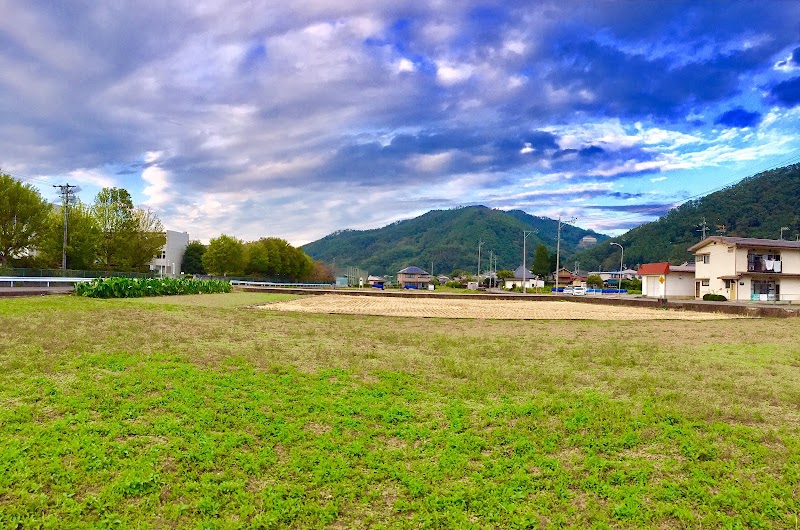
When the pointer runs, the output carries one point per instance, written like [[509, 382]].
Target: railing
[[61, 273], [248, 283], [773, 266], [47, 281]]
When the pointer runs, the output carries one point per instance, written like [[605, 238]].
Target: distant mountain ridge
[[448, 238], [757, 206]]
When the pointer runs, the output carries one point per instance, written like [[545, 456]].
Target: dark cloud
[[650, 209], [787, 93], [738, 117]]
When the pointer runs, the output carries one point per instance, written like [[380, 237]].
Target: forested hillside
[[449, 238], [757, 206]]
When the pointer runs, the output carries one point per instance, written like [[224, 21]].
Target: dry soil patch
[[480, 309]]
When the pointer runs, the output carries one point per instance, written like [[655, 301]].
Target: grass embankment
[[193, 412]]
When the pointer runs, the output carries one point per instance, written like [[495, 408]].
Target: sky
[[296, 119]]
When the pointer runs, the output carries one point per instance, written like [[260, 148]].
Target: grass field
[[197, 412]]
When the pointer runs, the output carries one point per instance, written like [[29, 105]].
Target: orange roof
[[653, 269]]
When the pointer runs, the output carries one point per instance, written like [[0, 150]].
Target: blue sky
[[296, 120]]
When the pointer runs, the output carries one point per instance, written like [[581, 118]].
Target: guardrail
[[276, 284], [48, 280]]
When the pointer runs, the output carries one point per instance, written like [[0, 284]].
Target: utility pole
[[721, 229], [479, 260], [703, 227], [782, 229], [525, 234], [558, 247], [491, 257], [67, 194]]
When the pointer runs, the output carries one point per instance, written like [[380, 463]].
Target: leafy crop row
[[139, 287]]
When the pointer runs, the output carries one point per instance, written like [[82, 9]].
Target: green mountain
[[758, 206], [449, 239]]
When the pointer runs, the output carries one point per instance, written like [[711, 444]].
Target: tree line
[[266, 258], [111, 234]]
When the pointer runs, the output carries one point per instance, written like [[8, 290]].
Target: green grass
[[197, 412]]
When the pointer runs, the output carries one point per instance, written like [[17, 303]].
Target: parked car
[[568, 289], [579, 291]]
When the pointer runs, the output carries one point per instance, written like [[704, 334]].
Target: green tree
[[594, 280], [83, 239], [505, 273], [113, 209], [23, 218], [147, 240], [541, 261], [193, 258], [224, 255], [130, 236]]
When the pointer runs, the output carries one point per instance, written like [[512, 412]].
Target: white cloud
[[658, 179], [451, 74]]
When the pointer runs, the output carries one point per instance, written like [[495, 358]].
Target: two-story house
[[742, 268], [413, 278]]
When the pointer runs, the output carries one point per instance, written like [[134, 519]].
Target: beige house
[[741, 268], [413, 278]]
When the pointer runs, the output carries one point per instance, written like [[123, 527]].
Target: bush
[[711, 297], [139, 287], [454, 285]]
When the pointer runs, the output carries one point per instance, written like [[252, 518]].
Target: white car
[[579, 291], [568, 289]]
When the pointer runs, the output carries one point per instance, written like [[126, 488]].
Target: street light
[[525, 234], [619, 280], [558, 247], [479, 260]]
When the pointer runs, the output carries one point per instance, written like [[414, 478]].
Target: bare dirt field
[[480, 309]]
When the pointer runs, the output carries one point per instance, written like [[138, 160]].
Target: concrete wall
[[172, 252]]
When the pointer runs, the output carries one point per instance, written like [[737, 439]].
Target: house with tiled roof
[[413, 278], [662, 280], [743, 268]]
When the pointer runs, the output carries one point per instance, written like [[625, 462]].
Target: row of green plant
[[139, 287]]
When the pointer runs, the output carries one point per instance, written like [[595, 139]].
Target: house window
[[728, 283], [704, 258], [705, 283]]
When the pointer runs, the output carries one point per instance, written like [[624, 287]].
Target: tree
[[114, 211], [224, 255], [505, 274], [193, 258], [23, 218], [83, 239], [594, 280], [131, 236], [322, 273], [147, 240], [541, 261]]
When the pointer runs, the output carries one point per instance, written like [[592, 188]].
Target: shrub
[[714, 297], [139, 287]]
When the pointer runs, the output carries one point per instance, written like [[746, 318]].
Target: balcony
[[758, 264]]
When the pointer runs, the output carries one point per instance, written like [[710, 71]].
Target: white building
[[742, 268], [168, 262], [523, 277], [662, 280]]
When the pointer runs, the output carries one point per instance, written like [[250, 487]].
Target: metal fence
[[61, 273], [248, 283]]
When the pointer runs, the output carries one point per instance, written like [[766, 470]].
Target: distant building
[[376, 281], [523, 277], [168, 261], [413, 278], [587, 241], [662, 280]]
